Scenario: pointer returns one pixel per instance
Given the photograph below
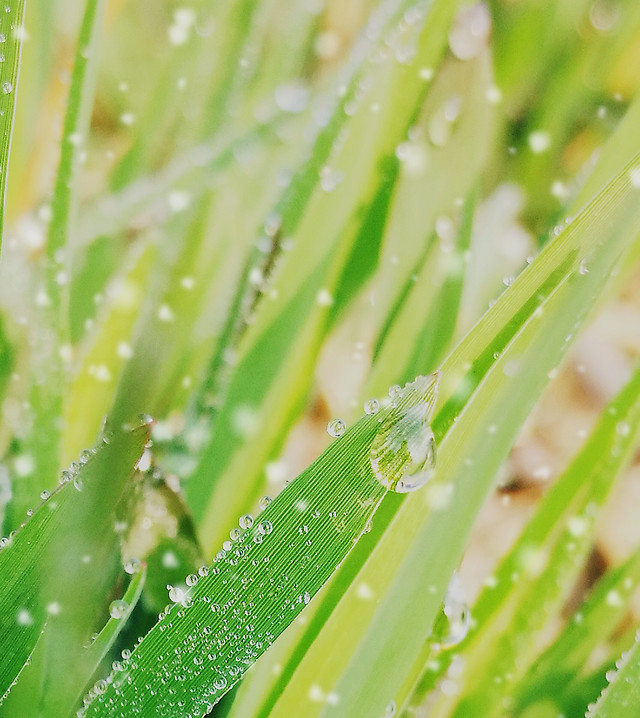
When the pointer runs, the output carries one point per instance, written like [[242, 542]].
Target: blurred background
[[177, 83]]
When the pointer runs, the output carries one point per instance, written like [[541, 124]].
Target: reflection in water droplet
[[403, 452]]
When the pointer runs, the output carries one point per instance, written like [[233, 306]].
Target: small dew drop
[[132, 566], [7, 87], [371, 406], [336, 428], [246, 521], [118, 608]]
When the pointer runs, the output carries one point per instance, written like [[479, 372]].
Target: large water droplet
[[403, 452]]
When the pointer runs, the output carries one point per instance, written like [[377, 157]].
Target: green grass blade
[[104, 641], [11, 34], [621, 698], [74, 137], [266, 575], [436, 286], [105, 351], [75, 521], [484, 403]]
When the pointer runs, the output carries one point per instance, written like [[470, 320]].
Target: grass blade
[[11, 36], [269, 353], [100, 647], [621, 698]]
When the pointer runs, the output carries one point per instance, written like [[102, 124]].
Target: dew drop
[[246, 521], [118, 608], [220, 683], [336, 428], [132, 566], [191, 579], [371, 406], [7, 87], [457, 613], [403, 452]]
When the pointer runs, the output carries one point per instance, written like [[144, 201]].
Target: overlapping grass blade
[[104, 641]]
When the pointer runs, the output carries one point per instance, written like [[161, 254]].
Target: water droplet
[[371, 406], [7, 87], [118, 608], [191, 579], [265, 527], [264, 502], [44, 495], [457, 612], [220, 683], [336, 428], [246, 521], [403, 452], [78, 484], [176, 594], [132, 566]]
